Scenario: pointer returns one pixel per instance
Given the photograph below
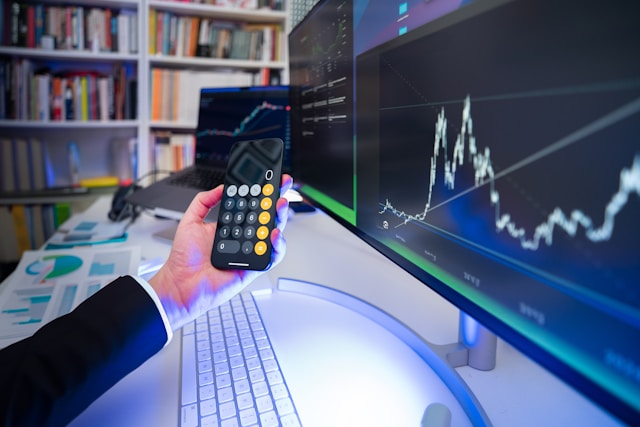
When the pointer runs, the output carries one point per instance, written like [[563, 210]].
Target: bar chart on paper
[[48, 284]]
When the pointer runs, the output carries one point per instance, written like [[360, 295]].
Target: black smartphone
[[248, 207]]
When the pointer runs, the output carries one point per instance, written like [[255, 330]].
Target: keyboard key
[[264, 404], [279, 391], [241, 386], [269, 419], [189, 386], [225, 394], [207, 392], [205, 378], [274, 377], [189, 416], [284, 406], [231, 422], [244, 401], [290, 420], [227, 410], [260, 389], [210, 421], [208, 407], [248, 417]]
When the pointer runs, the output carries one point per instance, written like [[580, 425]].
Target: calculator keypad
[[244, 223]]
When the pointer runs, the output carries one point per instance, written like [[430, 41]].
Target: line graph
[[248, 123], [465, 147]]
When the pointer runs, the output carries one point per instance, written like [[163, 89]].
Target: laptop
[[225, 115]]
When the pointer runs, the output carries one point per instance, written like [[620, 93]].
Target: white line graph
[[480, 160]]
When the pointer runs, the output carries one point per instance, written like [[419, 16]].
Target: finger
[[287, 183], [279, 247], [202, 204], [282, 213]]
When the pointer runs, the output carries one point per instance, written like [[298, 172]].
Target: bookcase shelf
[[94, 138], [68, 55], [203, 63], [70, 124], [265, 16]]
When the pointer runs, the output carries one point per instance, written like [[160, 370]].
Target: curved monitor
[[493, 153]]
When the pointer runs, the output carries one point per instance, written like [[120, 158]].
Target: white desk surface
[[319, 250]]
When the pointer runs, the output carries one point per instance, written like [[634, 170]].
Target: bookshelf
[[93, 56]]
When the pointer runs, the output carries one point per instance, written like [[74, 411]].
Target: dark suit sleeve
[[49, 378]]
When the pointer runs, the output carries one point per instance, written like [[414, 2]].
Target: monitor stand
[[476, 347]]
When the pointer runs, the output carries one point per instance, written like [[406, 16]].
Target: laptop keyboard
[[230, 375], [201, 178]]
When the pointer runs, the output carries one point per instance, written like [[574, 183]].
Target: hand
[[187, 284]]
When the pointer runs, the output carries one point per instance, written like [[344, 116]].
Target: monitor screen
[[495, 157], [230, 114]]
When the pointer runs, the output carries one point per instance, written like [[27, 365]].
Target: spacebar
[[189, 385]]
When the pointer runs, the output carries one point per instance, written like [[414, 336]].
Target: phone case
[[248, 207]]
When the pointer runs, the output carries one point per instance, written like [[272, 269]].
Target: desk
[[319, 250]]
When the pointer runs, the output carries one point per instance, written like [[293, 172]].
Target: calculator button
[[228, 204], [266, 203], [241, 204], [264, 218], [228, 246], [260, 248], [237, 231], [255, 190], [226, 217], [224, 232], [249, 232], [254, 203], [232, 190], [243, 190], [238, 217], [252, 217], [247, 247], [262, 232], [267, 189]]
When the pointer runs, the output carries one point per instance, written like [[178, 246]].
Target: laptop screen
[[227, 115]]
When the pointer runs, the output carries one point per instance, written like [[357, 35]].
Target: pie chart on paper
[[52, 266]]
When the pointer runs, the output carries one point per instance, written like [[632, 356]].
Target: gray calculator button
[[228, 246], [224, 231], [249, 232], [243, 190], [227, 217], [228, 204], [247, 248], [255, 189], [232, 190], [252, 217]]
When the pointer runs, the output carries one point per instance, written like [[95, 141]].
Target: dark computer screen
[[230, 114], [496, 158]]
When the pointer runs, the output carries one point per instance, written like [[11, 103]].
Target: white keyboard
[[230, 375]]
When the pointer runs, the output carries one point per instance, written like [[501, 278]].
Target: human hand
[[187, 284]]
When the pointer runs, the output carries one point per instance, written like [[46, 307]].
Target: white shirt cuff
[[147, 287]]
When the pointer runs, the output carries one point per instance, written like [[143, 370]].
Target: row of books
[[192, 36], [28, 166], [27, 227], [45, 26], [175, 93], [241, 4], [27, 93], [172, 151], [24, 166]]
